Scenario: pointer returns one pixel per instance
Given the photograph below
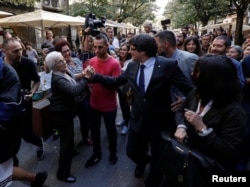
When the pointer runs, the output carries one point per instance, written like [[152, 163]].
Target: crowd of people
[[196, 88]]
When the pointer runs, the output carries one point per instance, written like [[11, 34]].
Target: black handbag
[[175, 159]]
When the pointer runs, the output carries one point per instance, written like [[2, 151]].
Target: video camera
[[93, 23], [165, 22]]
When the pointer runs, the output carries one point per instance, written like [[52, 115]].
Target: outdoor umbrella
[[5, 14], [40, 18]]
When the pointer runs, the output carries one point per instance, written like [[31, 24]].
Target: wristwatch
[[205, 131]]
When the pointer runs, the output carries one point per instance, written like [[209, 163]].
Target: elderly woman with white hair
[[64, 90], [235, 52]]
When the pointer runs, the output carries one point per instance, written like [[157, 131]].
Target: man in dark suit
[[151, 112]]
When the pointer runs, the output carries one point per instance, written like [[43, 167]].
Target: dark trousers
[[95, 126], [82, 111], [137, 150], [125, 108], [27, 132], [65, 124]]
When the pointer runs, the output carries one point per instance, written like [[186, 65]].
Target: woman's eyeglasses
[[60, 62]]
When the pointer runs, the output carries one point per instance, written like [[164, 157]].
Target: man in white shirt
[[31, 52], [115, 41]]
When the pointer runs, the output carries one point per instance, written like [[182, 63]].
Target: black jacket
[[64, 93], [228, 123]]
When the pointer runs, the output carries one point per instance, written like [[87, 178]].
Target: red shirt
[[103, 98]]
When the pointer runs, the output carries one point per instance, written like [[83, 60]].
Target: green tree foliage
[[240, 6], [86, 7], [205, 10], [135, 11], [143, 13], [131, 9], [97, 7], [184, 12], [180, 14]]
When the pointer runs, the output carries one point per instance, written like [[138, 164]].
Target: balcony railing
[[53, 5]]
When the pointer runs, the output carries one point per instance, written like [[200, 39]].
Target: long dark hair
[[216, 78], [128, 47], [198, 49]]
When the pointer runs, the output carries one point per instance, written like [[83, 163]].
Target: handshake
[[88, 72]]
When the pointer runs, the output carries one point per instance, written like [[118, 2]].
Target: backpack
[[11, 112]]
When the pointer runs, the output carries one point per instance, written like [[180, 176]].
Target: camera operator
[[87, 47], [93, 24], [164, 23], [92, 27]]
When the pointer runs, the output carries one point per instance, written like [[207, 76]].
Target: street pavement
[[103, 174]]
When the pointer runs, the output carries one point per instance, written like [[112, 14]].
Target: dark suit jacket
[[152, 110]]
